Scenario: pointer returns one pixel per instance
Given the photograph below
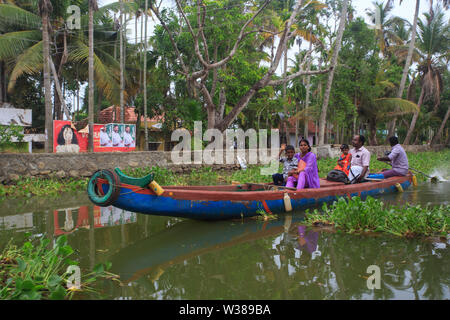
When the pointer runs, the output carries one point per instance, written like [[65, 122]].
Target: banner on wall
[[114, 137], [109, 137]]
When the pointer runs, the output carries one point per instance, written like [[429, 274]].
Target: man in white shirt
[[128, 140], [359, 168], [116, 139], [105, 141]]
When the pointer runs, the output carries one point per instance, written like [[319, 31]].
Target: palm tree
[[21, 46], [407, 64], [145, 76], [92, 7], [384, 25], [45, 8], [326, 97], [433, 45]]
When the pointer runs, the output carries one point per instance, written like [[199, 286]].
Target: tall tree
[[122, 65], [197, 72], [433, 45], [145, 76], [45, 8], [334, 59], [93, 6], [411, 47]]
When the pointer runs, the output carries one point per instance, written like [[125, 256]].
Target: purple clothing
[[309, 178], [399, 160], [392, 173], [311, 239]]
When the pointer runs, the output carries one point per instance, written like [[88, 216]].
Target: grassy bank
[[372, 215], [426, 162]]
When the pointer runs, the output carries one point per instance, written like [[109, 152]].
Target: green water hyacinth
[[372, 215], [38, 271]]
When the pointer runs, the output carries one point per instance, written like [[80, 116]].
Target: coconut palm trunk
[[438, 136], [145, 77], [122, 86], [92, 7], [326, 98], [414, 119], [411, 47], [308, 90], [45, 8]]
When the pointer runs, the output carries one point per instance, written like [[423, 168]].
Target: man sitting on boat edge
[[359, 167], [398, 159]]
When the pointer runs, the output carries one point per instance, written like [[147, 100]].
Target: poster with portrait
[[129, 136], [67, 139], [114, 137]]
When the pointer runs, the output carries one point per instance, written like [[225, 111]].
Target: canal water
[[170, 258]]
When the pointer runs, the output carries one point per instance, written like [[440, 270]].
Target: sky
[[405, 10]]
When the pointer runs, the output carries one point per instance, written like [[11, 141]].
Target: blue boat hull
[[216, 205]]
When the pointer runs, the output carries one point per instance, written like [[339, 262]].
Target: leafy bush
[[37, 271], [373, 215]]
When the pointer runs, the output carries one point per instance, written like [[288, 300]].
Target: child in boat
[[289, 163], [344, 160]]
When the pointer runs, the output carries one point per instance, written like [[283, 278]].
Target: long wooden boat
[[222, 201]]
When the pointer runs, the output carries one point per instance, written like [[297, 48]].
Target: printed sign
[[107, 137]]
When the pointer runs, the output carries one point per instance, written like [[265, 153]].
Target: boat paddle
[[432, 179]]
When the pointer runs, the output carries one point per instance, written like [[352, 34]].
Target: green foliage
[[373, 215], [37, 270], [9, 132], [28, 187]]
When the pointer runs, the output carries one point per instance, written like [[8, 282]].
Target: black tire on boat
[[97, 196]]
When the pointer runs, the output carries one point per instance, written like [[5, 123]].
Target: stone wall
[[14, 166]]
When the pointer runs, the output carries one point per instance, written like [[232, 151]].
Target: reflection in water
[[171, 258]]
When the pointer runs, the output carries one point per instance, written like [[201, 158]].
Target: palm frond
[[385, 107], [15, 18], [29, 62], [13, 44], [104, 74]]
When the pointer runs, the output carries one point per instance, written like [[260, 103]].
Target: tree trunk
[[145, 78], [296, 126], [411, 47], [438, 136], [60, 103], [91, 80], [286, 118], [323, 115], [373, 133], [47, 85], [2, 71], [308, 90], [414, 119], [122, 86]]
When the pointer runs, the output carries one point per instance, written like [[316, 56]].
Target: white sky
[[405, 10]]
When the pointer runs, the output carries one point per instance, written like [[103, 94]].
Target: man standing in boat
[[359, 168]]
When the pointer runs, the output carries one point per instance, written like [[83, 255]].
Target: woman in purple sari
[[309, 176]]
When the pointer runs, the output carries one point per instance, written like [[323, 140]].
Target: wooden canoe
[[225, 201]]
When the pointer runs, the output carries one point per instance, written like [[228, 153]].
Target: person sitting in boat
[[345, 159], [289, 163], [307, 173], [359, 165], [397, 158]]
